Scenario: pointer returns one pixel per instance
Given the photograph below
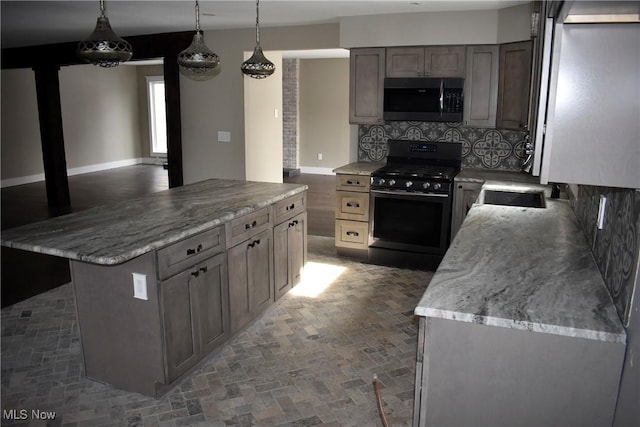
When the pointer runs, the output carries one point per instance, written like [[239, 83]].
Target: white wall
[[324, 113], [263, 124], [437, 28]]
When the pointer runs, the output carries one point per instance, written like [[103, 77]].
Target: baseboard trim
[[11, 182], [316, 170]]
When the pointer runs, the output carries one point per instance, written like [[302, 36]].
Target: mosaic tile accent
[[290, 113], [496, 149], [616, 247]]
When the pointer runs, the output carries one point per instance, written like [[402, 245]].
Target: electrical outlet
[[602, 207], [224, 136], [140, 286], [319, 156]]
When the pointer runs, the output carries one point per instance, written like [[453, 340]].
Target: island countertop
[[119, 232], [523, 268]]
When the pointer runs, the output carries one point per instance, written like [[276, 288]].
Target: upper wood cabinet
[[366, 82], [432, 61], [514, 85], [481, 86]]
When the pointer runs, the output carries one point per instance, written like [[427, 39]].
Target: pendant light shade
[[103, 47], [198, 62], [258, 66]]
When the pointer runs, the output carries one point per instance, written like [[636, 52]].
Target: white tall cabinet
[[593, 121]]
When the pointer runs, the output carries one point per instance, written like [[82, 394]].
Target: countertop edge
[[522, 325]]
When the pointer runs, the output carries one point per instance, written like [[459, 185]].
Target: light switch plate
[[140, 286], [224, 136]]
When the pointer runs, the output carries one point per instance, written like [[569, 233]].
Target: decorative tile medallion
[[497, 149]]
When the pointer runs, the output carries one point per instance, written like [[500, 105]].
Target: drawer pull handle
[[353, 204], [291, 206], [192, 251], [353, 233], [204, 269], [293, 223], [254, 243], [350, 182], [249, 226], [195, 273]]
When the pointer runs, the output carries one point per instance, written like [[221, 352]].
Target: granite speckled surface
[[523, 268], [359, 168], [117, 233], [502, 180]]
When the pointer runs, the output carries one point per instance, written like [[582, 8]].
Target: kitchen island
[[516, 327], [163, 280]]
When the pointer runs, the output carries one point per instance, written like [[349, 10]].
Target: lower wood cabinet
[[194, 314], [290, 253], [250, 279]]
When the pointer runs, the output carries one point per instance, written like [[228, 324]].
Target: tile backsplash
[[616, 247], [497, 149]]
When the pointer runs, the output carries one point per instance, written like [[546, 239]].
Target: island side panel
[[120, 335], [477, 375]]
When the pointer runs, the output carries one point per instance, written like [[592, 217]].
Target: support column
[[52, 139], [174, 123]]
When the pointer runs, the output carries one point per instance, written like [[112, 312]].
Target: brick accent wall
[[290, 87]]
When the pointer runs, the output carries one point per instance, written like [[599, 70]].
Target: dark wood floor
[[25, 274]]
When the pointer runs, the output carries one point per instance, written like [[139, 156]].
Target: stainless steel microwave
[[427, 99]]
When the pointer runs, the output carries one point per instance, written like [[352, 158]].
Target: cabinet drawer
[[246, 226], [359, 183], [352, 205], [185, 253], [352, 234], [290, 207]]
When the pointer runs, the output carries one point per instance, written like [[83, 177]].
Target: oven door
[[413, 222]]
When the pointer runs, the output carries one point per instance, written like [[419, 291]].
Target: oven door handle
[[396, 193]]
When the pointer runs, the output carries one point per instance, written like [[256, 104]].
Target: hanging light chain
[[197, 17], [102, 10], [257, 23]]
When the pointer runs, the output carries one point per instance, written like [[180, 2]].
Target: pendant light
[[103, 47], [198, 62], [258, 66]]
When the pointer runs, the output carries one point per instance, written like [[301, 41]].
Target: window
[[157, 115]]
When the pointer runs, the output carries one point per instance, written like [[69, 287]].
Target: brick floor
[[306, 361]]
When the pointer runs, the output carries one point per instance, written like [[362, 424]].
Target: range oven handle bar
[[403, 193]]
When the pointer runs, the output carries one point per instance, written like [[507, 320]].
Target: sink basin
[[528, 199]]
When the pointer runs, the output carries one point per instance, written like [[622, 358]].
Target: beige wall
[[263, 124], [324, 113], [218, 104], [99, 114], [436, 28], [20, 147]]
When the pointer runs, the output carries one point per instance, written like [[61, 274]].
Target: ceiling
[[26, 23]]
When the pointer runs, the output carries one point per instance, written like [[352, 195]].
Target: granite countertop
[[359, 168], [116, 233], [523, 268], [496, 179]]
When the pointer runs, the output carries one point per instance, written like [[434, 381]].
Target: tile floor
[[309, 360]]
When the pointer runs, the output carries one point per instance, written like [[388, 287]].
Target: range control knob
[[437, 186], [392, 182], [408, 184], [381, 181], [426, 185]]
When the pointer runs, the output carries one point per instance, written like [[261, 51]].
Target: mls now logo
[[23, 414]]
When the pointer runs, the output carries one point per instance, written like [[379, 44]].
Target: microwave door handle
[[441, 96]]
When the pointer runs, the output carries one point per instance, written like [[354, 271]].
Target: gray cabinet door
[[250, 279], [444, 61], [481, 86], [405, 62], [178, 321], [366, 82], [514, 85], [289, 253], [210, 303]]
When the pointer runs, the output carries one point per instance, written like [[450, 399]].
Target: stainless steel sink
[[523, 198]]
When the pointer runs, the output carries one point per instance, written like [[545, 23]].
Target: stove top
[[434, 172]]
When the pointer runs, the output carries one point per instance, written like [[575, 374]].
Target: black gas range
[[411, 203]]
